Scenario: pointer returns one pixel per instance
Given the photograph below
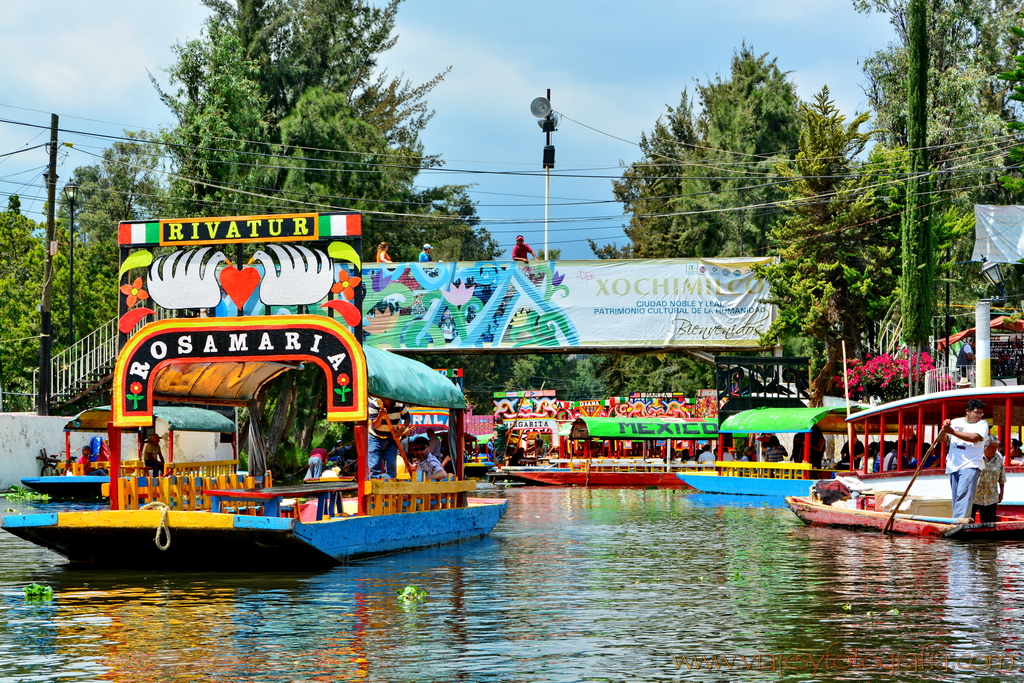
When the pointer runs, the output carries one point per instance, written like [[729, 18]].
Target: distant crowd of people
[[521, 252]]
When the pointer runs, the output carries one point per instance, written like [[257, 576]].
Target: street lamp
[[993, 276], [983, 324], [70, 190], [547, 119]]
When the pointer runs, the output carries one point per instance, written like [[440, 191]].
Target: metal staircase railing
[[83, 364], [85, 367]]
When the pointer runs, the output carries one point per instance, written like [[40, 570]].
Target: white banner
[[698, 303], [998, 233]]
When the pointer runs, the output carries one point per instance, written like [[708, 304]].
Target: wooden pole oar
[[394, 437], [924, 459]]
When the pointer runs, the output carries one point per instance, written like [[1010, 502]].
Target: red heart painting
[[239, 284]]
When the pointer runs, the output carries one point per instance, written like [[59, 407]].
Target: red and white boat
[[625, 452]]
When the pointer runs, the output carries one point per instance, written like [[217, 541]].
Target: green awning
[[776, 420], [409, 381], [179, 418], [643, 428]]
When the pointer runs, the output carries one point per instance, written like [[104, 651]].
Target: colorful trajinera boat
[[192, 439], [259, 326], [769, 478], [913, 423], [1006, 527], [622, 452]]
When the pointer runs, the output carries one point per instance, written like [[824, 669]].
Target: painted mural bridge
[[203, 268]]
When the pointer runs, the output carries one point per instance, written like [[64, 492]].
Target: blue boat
[[770, 478], [746, 486]]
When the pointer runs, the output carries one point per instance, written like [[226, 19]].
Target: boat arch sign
[[251, 342]]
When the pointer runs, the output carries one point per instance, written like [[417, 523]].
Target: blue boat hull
[[205, 540], [747, 486], [70, 487]]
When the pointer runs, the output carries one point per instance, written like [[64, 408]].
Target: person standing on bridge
[[522, 251]]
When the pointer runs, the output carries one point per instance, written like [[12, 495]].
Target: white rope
[[162, 526]]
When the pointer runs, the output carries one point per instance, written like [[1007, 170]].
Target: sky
[[612, 68]]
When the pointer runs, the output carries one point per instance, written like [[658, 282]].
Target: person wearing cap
[[425, 254], [423, 461], [153, 456], [521, 250]]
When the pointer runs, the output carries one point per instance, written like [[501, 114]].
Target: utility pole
[[915, 229], [45, 336]]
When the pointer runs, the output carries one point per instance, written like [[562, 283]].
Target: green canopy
[[640, 428], [409, 381], [776, 420], [180, 419]]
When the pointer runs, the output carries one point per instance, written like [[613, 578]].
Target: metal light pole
[[548, 122], [70, 190]]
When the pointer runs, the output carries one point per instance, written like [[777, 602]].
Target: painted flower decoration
[[135, 292], [134, 394], [346, 285], [344, 381], [557, 278], [457, 295]]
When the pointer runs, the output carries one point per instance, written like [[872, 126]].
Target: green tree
[[282, 105], [704, 178], [836, 270], [21, 275], [126, 185], [969, 43]]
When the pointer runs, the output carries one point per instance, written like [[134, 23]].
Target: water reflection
[[574, 585]]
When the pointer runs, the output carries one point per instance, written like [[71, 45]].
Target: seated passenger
[[425, 462], [85, 460], [775, 451]]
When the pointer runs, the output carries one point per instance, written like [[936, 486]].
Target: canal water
[[573, 585]]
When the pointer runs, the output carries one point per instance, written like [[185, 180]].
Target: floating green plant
[[894, 612], [35, 591], [412, 594], [847, 608], [19, 493]]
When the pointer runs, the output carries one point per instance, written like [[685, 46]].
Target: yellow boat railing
[[395, 497], [767, 470], [178, 492]]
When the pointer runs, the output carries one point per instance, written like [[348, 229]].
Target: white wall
[[197, 447], [21, 437]]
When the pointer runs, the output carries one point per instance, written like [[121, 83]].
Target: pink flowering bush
[[884, 377]]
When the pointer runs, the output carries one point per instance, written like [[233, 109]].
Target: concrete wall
[[21, 437]]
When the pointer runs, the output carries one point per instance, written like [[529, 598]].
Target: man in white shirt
[[965, 455]]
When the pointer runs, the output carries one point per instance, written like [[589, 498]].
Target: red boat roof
[[954, 402]]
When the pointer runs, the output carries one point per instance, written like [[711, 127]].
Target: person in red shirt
[[521, 250]]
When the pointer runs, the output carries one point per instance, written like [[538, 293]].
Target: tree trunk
[[825, 379], [283, 417]]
